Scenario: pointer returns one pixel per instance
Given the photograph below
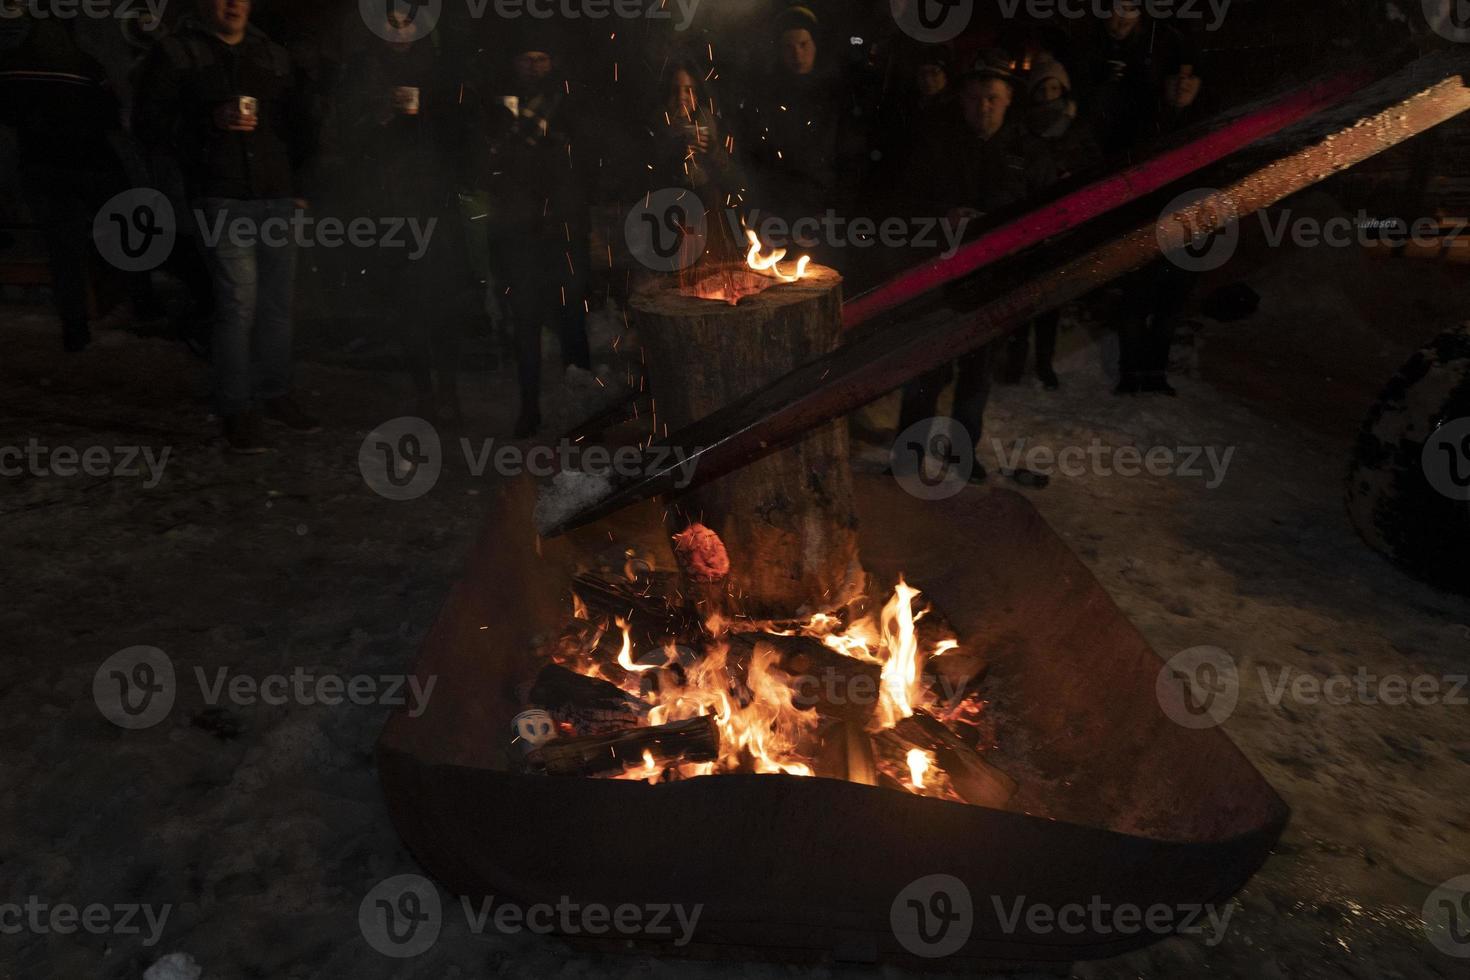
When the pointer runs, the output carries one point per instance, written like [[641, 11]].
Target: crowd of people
[[512, 159]]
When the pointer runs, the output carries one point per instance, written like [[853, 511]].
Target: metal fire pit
[[1117, 805]]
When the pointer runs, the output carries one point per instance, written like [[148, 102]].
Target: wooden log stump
[[788, 521]]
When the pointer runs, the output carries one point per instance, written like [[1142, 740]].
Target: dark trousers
[[65, 201], [421, 298], [548, 284], [1018, 346], [1153, 301], [973, 376]]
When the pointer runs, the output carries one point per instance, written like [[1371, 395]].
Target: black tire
[[1412, 506]]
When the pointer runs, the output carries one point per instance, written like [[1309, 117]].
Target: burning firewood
[[652, 619], [974, 780], [692, 740], [588, 705], [833, 683], [846, 753]]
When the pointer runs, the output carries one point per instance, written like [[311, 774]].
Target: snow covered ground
[[259, 827]]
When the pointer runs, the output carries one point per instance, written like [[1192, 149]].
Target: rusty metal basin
[[1118, 804]]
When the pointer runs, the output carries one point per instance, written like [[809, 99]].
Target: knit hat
[[933, 54], [993, 63], [1046, 67], [794, 17]]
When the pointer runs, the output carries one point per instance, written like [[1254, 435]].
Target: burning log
[[652, 618], [975, 780], [590, 706], [789, 522], [847, 753], [833, 683], [693, 740]]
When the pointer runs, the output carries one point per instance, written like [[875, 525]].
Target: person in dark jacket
[[987, 163], [1155, 297], [226, 101], [798, 136], [398, 120], [1051, 117], [541, 224], [1129, 60], [66, 118]]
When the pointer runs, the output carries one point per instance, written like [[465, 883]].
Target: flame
[[579, 608], [625, 655], [902, 685], [753, 705], [767, 263], [759, 724], [918, 762]]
